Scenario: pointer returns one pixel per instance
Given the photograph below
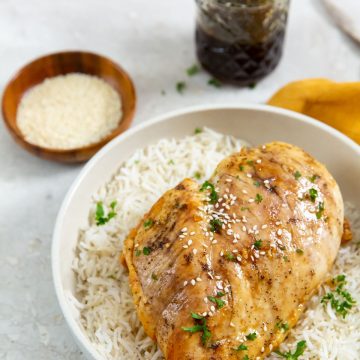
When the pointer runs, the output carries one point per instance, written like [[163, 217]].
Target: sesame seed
[[235, 241], [227, 207], [258, 161], [189, 242], [244, 191], [256, 254], [205, 299], [262, 252], [212, 308], [238, 258], [232, 324], [262, 350], [192, 233], [252, 258], [167, 245], [217, 277], [227, 190], [283, 205], [214, 242], [266, 181], [184, 229], [185, 283], [204, 313], [185, 246], [279, 232], [181, 236], [195, 251], [210, 313], [216, 205], [264, 226], [310, 238], [229, 232], [210, 275], [228, 180], [265, 327], [278, 223], [251, 200], [249, 175], [193, 282], [204, 245], [136, 245], [219, 286], [244, 228], [198, 279], [270, 347], [235, 251]]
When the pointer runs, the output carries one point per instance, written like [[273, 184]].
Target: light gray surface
[[154, 42]]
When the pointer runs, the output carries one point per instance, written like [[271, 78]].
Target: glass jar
[[240, 41]]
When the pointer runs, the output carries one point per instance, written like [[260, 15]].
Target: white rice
[[107, 312]]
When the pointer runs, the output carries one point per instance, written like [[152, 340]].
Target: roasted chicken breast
[[217, 270]]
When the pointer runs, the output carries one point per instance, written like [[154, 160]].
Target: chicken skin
[[223, 270]]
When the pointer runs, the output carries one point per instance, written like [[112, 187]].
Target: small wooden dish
[[60, 64]]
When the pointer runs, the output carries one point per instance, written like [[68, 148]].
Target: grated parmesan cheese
[[69, 111]]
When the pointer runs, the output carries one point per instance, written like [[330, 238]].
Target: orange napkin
[[336, 104]]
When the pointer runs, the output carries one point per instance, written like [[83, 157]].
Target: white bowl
[[256, 124]]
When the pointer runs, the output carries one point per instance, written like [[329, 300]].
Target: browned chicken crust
[[246, 255]]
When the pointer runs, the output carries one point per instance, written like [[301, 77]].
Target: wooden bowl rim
[[61, 154]]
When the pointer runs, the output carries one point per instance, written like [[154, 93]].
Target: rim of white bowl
[[56, 240]]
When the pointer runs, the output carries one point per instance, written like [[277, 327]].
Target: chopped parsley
[[146, 251], [197, 175], [258, 198], [241, 167], [215, 225], [320, 211], [229, 256], [171, 162], [252, 86], [214, 82], [300, 348], [250, 162], [258, 244], [213, 194], [200, 326], [246, 357], [257, 183], [198, 131], [340, 299], [252, 336], [137, 252], [282, 326], [193, 70], [216, 300], [297, 175], [148, 223], [313, 194], [313, 178], [100, 217], [180, 87], [241, 347], [243, 208], [154, 277], [299, 251]]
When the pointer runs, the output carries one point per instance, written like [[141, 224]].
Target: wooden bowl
[[60, 64]]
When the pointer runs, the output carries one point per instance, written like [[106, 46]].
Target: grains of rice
[[107, 313]]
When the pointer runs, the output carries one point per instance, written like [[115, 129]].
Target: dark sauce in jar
[[240, 41], [237, 63]]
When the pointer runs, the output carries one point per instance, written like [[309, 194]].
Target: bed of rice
[[107, 312]]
